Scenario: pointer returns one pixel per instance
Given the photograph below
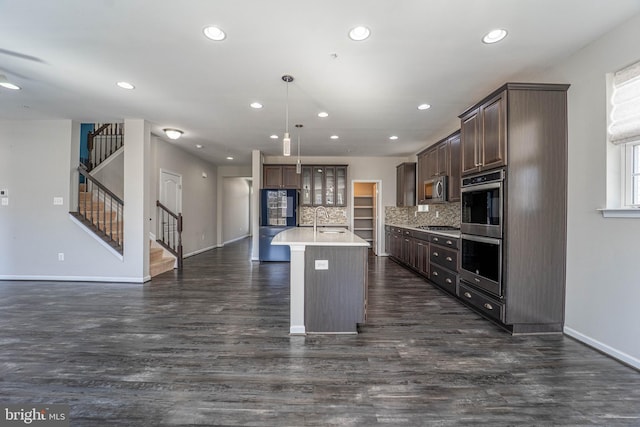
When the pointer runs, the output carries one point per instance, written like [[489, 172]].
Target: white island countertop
[[304, 236]]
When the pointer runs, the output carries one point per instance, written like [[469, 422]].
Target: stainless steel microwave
[[435, 190]]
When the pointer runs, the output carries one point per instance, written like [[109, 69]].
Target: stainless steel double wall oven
[[481, 230]]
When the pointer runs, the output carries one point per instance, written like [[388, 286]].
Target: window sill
[[620, 213]]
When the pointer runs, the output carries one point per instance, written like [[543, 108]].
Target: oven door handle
[[481, 239], [480, 187]]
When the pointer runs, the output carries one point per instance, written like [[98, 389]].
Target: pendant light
[[286, 141], [298, 165]]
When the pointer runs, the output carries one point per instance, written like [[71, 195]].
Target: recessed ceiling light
[[323, 114], [359, 33], [214, 33], [126, 85], [274, 136], [256, 105], [229, 158], [494, 36], [393, 137], [424, 106], [173, 133], [334, 137], [7, 84], [198, 145]]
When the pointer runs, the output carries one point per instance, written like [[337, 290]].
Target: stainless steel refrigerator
[[278, 211]]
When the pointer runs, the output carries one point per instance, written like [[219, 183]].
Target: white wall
[[235, 212], [603, 278], [35, 166], [198, 194], [231, 171]]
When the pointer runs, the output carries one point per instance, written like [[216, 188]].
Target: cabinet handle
[[467, 294], [435, 254], [435, 239], [449, 242], [449, 259], [448, 280], [435, 273], [476, 280], [488, 306]]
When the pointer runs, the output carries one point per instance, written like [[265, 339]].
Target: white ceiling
[[68, 55]]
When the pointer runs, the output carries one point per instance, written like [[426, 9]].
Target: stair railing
[[100, 209], [105, 140], [169, 230]]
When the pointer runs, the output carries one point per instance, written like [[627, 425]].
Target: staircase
[[158, 262], [101, 211]]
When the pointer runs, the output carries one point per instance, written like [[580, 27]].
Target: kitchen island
[[328, 279]]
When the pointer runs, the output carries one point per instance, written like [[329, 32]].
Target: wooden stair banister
[[113, 134], [100, 210], [169, 235]]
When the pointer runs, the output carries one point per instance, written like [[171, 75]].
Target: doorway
[[365, 208]]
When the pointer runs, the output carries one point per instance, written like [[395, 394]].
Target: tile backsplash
[[337, 216], [447, 214]]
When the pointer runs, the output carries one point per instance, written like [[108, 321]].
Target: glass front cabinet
[[324, 185]]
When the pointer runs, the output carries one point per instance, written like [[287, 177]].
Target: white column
[[136, 198], [297, 290]]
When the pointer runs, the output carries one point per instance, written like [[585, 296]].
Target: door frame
[[379, 237]]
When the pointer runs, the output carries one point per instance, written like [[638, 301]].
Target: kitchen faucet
[[315, 217]]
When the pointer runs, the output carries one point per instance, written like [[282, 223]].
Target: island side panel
[[335, 297], [297, 298]]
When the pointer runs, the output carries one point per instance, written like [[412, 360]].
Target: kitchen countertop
[[304, 236], [449, 233]]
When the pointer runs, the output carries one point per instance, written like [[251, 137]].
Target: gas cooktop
[[438, 227]]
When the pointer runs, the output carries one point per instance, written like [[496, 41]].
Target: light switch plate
[[4, 192], [322, 264], [5, 201], [58, 201]]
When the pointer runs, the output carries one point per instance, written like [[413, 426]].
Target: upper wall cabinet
[[484, 135], [441, 159], [406, 184], [280, 176], [324, 185]]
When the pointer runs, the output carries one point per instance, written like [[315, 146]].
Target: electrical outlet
[[58, 201], [60, 256], [437, 214], [322, 264], [5, 201]]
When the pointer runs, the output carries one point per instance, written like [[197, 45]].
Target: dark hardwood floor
[[210, 346]]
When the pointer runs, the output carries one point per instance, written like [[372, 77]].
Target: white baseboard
[[199, 251], [616, 354], [77, 279], [236, 239]]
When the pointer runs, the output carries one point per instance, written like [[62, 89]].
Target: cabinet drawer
[[485, 304], [444, 278], [449, 242], [445, 257], [420, 235]]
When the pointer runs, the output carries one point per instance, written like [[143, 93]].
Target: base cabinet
[[335, 297]]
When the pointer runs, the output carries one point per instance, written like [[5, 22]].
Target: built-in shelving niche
[[363, 211]]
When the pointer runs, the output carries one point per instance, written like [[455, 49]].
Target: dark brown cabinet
[[484, 135], [526, 124], [324, 185], [280, 176], [406, 184], [441, 159]]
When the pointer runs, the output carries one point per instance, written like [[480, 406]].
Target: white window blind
[[625, 112]]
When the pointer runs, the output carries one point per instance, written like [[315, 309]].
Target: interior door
[[171, 197]]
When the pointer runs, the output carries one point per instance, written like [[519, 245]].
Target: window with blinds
[[624, 128]]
